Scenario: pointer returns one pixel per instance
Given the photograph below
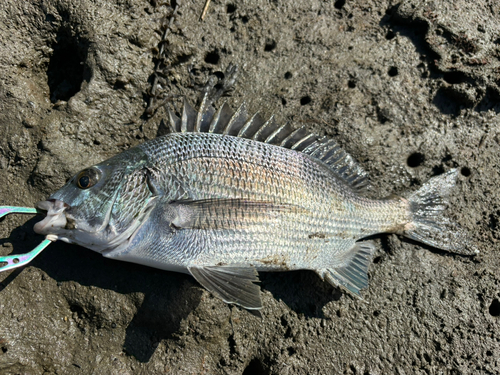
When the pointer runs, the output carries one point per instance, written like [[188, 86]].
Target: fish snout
[[55, 218]]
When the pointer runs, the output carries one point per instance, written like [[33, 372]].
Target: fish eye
[[87, 178]]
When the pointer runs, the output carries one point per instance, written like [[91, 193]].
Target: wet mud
[[409, 88]]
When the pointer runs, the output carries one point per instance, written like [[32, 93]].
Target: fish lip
[[55, 216], [51, 204]]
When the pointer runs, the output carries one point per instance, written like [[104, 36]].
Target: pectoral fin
[[231, 283], [226, 213]]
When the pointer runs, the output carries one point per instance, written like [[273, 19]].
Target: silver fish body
[[254, 204], [222, 207]]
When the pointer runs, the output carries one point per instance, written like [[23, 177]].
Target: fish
[[226, 195]]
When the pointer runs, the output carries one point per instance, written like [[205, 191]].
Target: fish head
[[101, 206]]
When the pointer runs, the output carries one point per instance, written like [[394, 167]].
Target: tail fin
[[429, 225]]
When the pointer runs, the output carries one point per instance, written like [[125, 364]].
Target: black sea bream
[[226, 195]]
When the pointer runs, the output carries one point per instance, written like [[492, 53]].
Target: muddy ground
[[410, 88]]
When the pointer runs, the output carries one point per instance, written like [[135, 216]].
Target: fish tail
[[429, 224]]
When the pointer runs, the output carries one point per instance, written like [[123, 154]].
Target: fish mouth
[[55, 218], [61, 224]]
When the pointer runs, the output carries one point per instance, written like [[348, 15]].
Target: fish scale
[[279, 172], [226, 195]]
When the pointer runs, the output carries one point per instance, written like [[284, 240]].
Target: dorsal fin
[[221, 119], [205, 114], [237, 120], [240, 124], [174, 122], [251, 126], [188, 118], [265, 130]]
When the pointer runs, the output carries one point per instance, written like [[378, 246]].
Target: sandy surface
[[410, 88]]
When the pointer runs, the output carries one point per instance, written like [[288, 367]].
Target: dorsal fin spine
[[323, 151], [291, 136], [238, 123], [302, 141], [174, 122], [215, 120], [275, 133], [333, 156], [203, 109], [248, 125], [310, 149], [188, 118], [263, 128]]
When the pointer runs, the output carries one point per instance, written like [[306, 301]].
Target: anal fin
[[233, 284], [352, 276]]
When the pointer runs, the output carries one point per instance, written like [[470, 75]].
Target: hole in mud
[[80, 312], [212, 57], [283, 101], [305, 100], [465, 171], [270, 45], [390, 35], [119, 85], [393, 71], [383, 115], [244, 19], [255, 367], [231, 8], [495, 308], [445, 101], [351, 84], [181, 58], [288, 75], [491, 101], [489, 353], [4, 349], [436, 171], [493, 223], [65, 72], [220, 75], [454, 78], [377, 260], [415, 160], [339, 4]]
